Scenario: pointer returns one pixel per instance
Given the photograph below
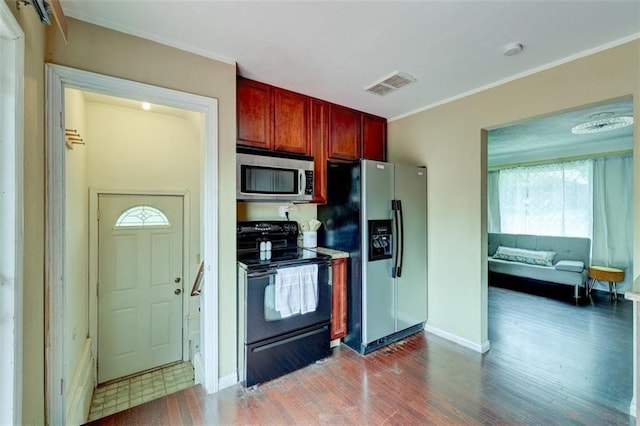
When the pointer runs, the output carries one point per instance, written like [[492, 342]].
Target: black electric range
[[275, 338]]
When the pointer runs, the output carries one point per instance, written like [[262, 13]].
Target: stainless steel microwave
[[272, 178]]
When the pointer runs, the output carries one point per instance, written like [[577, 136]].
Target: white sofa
[[569, 266]]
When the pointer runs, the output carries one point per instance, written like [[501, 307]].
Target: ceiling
[[550, 137], [333, 50]]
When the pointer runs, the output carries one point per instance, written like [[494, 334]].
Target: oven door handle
[[262, 274]]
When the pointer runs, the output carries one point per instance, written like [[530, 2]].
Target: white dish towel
[[296, 290], [308, 288]]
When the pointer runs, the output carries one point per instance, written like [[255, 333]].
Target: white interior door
[[139, 283]]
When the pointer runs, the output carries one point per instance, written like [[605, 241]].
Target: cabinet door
[[374, 137], [339, 299], [254, 114], [291, 122], [319, 141], [344, 133]]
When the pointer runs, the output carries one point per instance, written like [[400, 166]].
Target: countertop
[[335, 254], [634, 292]]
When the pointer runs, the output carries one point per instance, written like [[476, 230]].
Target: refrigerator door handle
[[396, 224], [401, 243]]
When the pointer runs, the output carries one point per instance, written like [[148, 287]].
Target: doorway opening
[[67, 395], [546, 180]]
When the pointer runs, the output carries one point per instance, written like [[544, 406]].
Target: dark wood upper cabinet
[[254, 114], [344, 133], [291, 122], [374, 137], [319, 141], [279, 120]]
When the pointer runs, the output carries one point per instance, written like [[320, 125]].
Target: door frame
[[58, 78], [94, 198], [11, 216]]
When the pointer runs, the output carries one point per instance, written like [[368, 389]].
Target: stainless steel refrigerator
[[377, 212]]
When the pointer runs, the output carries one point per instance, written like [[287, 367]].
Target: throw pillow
[[532, 257], [570, 265]]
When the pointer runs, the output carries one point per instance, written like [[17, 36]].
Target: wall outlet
[[283, 210]]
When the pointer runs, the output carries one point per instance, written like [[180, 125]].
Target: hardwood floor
[[541, 370]]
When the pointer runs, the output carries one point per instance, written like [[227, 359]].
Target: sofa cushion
[[532, 257], [570, 265]]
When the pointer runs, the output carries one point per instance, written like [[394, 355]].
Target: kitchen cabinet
[[272, 118], [374, 137], [278, 120], [254, 114], [344, 133], [339, 299], [291, 122], [319, 141]]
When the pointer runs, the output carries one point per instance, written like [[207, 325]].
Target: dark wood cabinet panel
[[339, 299], [374, 137], [344, 133], [319, 141], [278, 120], [254, 114], [291, 122]]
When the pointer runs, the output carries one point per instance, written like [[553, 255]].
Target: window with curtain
[[588, 198], [550, 199]]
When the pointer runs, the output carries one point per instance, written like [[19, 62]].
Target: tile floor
[[119, 395]]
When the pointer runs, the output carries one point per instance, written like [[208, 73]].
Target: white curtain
[[493, 202], [612, 242], [549, 199]]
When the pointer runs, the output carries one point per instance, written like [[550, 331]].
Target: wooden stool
[[604, 273]]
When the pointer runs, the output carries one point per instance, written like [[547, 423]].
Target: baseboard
[[226, 381], [632, 407], [80, 388], [198, 368], [482, 347]]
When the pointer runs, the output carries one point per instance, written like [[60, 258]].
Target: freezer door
[[377, 284], [411, 286]]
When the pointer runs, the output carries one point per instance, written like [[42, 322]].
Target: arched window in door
[[142, 216]]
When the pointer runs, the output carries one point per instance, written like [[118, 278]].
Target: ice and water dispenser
[[380, 239]]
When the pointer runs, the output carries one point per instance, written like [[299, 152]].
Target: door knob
[[177, 280], [177, 291]]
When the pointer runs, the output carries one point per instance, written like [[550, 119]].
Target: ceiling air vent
[[390, 83]]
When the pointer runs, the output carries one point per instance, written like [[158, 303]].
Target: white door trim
[[94, 194], [11, 211], [57, 79]]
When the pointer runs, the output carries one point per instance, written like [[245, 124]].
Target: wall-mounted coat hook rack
[[72, 137]]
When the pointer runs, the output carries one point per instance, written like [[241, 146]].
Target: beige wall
[[269, 211], [447, 139], [104, 51], [99, 50], [33, 313]]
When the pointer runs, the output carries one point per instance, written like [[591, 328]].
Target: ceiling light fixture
[[512, 49], [602, 125], [146, 106]]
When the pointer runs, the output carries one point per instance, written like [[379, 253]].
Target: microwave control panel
[[308, 188]]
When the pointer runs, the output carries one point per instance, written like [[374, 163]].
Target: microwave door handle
[[301, 182]]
